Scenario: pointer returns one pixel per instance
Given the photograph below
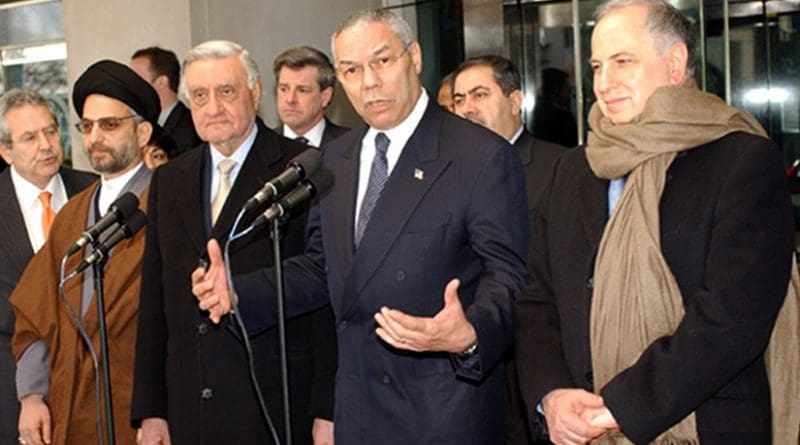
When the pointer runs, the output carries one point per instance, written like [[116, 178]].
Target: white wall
[[98, 29]]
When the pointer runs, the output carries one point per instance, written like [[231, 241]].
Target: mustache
[[97, 146]]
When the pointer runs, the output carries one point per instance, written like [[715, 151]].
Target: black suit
[[538, 162], [187, 370], [180, 126], [331, 132], [453, 206], [15, 251], [727, 235]]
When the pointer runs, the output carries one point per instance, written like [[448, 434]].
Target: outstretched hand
[[210, 286], [447, 331]]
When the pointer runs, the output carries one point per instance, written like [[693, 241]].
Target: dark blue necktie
[[378, 174], [301, 139]]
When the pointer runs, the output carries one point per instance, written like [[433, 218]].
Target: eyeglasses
[[105, 123], [30, 137], [349, 72]]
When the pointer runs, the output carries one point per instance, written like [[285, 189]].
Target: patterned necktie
[[48, 215], [301, 139], [378, 174], [224, 167]]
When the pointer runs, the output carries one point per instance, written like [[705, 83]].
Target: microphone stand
[[97, 270], [276, 250]]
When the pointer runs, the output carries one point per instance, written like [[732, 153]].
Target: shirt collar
[[164, 115], [241, 152], [400, 134], [28, 193], [111, 188], [314, 135], [516, 136]]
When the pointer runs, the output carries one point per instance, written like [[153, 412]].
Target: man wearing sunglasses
[[55, 376], [31, 143]]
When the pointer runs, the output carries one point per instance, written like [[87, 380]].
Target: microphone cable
[[85, 337], [240, 324]]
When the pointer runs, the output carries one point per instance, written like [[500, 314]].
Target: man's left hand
[[448, 331]]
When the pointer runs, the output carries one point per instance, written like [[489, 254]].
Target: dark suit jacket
[[538, 162], [180, 126], [727, 235], [331, 132], [188, 370], [454, 206], [15, 251]]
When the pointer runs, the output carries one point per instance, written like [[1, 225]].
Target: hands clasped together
[[575, 416]]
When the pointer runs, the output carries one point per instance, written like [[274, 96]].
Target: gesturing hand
[[448, 331], [210, 286]]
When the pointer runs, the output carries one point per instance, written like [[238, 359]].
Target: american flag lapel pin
[[419, 174]]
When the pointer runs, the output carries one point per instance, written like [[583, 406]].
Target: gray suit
[[15, 251]]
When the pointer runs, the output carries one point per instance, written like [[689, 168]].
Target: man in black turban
[[118, 112]]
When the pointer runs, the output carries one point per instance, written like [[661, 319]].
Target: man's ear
[[327, 95], [677, 60], [516, 102], [143, 132], [5, 152]]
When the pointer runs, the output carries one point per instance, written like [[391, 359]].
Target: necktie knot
[[44, 198], [225, 166], [382, 143], [301, 139]]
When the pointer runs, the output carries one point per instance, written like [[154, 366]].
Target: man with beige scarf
[[662, 257]]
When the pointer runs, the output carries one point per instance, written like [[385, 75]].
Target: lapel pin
[[419, 174]]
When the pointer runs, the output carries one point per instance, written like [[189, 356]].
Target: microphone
[[119, 210], [319, 182], [302, 166], [131, 227]]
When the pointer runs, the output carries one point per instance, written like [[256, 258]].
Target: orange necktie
[[48, 215]]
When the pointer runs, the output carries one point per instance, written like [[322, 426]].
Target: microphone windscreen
[[126, 204], [136, 222], [321, 180], [309, 161]]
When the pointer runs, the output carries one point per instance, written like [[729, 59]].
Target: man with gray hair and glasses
[[663, 250], [192, 382], [304, 84], [32, 191], [419, 248]]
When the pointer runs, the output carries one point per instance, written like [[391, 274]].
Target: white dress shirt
[[398, 136], [238, 157], [28, 198], [314, 135]]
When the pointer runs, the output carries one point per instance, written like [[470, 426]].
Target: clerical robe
[[42, 315]]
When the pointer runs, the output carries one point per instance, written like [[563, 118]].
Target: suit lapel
[[13, 223], [400, 196], [342, 200], [190, 207], [593, 206]]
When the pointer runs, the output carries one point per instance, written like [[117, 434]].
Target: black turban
[[117, 81]]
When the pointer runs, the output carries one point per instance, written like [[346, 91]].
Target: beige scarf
[[636, 298]]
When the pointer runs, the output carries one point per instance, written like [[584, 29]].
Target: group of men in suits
[[418, 368], [412, 261]]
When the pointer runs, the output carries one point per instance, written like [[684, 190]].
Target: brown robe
[[42, 315]]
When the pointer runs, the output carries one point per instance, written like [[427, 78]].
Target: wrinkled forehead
[[212, 72], [364, 40]]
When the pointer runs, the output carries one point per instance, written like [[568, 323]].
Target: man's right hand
[[562, 410], [34, 420], [210, 285], [154, 431]]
